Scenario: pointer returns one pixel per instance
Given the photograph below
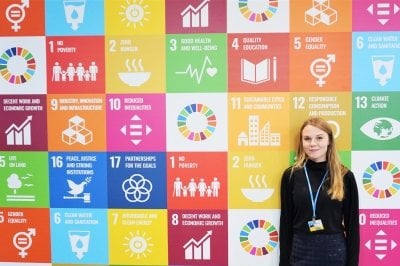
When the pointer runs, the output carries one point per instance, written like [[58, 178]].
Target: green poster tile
[[24, 179], [376, 121], [196, 63]]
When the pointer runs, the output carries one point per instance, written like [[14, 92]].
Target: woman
[[319, 203]]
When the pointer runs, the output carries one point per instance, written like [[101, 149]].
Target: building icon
[[199, 250], [195, 17], [257, 136]]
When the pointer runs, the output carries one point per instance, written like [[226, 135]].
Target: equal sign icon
[[383, 11]]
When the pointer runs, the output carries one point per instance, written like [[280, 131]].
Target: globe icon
[[383, 128]]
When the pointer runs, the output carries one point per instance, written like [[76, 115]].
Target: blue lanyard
[[314, 200]]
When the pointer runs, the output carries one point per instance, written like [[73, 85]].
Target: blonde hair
[[336, 169]]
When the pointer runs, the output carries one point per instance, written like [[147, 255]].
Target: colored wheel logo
[[17, 65], [258, 11], [259, 237], [382, 179], [197, 122]]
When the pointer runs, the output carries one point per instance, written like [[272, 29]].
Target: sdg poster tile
[[258, 62], [335, 107], [195, 16], [378, 178], [74, 17], [24, 179], [319, 62], [376, 15], [79, 235], [320, 16], [253, 237], [134, 17], [375, 61], [75, 65], [25, 235], [138, 237], [136, 122], [258, 122], [257, 16], [78, 179], [196, 63], [23, 65], [134, 64], [23, 123], [76, 122], [196, 122], [198, 237], [376, 121], [254, 179], [136, 180], [22, 18], [197, 180], [379, 241]]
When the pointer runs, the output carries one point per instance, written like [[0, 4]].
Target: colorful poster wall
[[155, 132]]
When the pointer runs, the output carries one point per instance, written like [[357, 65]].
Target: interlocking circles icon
[[137, 188]]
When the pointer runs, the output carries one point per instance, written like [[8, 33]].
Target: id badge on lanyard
[[314, 224]]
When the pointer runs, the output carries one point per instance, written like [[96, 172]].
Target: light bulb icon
[[23, 241], [134, 13], [15, 14]]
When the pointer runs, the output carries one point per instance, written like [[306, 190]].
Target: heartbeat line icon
[[205, 68]]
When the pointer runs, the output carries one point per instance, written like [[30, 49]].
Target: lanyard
[[314, 200]]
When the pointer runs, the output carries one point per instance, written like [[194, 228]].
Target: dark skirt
[[318, 250]]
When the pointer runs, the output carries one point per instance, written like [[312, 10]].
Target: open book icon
[[258, 73]]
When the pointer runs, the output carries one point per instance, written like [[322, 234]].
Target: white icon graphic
[[79, 241], [195, 17], [15, 14], [203, 189], [321, 12], [381, 245], [20, 135], [258, 73], [207, 67], [23, 241], [383, 10], [320, 68], [77, 132], [335, 128], [74, 12], [135, 13], [68, 74], [136, 130], [16, 182], [381, 128], [138, 245], [78, 189], [257, 136], [383, 67], [136, 75], [198, 250], [137, 188], [259, 191]]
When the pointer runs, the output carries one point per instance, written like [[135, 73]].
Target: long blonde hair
[[336, 169]]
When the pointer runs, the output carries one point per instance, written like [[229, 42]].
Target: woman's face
[[315, 143]]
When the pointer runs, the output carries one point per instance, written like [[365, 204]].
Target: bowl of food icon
[[257, 194], [134, 79]]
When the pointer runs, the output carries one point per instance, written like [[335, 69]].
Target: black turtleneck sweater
[[337, 216]]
